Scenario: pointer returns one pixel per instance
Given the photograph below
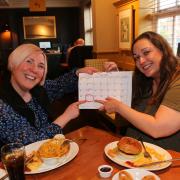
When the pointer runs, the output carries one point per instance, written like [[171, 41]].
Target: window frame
[[88, 30], [164, 13]]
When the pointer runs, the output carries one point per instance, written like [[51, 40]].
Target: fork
[[146, 153], [67, 141]]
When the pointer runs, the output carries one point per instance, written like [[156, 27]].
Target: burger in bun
[[129, 145]]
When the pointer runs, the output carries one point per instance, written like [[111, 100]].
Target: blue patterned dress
[[16, 128]]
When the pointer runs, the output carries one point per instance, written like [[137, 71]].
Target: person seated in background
[[25, 113], [155, 112], [78, 42]]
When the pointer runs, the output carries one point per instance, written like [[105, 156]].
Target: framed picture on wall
[[39, 27], [125, 28], [178, 49]]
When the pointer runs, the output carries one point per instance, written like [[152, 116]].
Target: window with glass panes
[[88, 28], [168, 21]]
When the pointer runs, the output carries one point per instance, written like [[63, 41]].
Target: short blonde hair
[[21, 53]]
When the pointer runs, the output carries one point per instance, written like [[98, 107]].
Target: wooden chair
[[97, 63]]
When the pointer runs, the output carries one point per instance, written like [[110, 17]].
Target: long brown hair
[[169, 69]]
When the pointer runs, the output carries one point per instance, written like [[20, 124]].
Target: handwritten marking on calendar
[[105, 84]]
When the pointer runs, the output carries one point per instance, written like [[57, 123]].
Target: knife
[[159, 162]]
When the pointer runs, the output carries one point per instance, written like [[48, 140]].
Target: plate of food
[[134, 174], [49, 154], [128, 152]]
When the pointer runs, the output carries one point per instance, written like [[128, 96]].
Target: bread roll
[[129, 145], [124, 175]]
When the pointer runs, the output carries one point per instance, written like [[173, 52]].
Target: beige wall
[[144, 16], [104, 29]]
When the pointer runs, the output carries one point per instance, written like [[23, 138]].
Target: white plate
[[121, 159], [2, 173], [136, 173], [74, 149]]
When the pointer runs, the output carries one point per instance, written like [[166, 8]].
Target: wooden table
[[91, 155]]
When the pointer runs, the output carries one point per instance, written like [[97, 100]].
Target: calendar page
[[99, 86]]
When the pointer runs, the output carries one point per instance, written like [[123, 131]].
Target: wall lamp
[[5, 28]]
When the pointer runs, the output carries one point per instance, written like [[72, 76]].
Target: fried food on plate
[[113, 152], [156, 156], [53, 148], [35, 162], [129, 145], [124, 175]]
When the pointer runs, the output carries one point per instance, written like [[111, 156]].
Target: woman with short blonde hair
[[25, 111]]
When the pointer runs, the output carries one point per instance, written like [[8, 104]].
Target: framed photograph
[[125, 29], [178, 49], [39, 27]]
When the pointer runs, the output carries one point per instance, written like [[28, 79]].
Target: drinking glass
[[13, 158]]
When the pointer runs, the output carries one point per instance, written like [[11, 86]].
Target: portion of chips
[[35, 162], [156, 156]]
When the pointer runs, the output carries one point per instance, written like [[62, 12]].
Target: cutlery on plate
[[67, 141], [159, 162], [76, 139], [146, 153]]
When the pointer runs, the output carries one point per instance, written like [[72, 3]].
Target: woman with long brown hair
[[155, 112]]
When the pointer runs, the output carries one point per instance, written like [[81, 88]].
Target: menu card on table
[[99, 86]]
